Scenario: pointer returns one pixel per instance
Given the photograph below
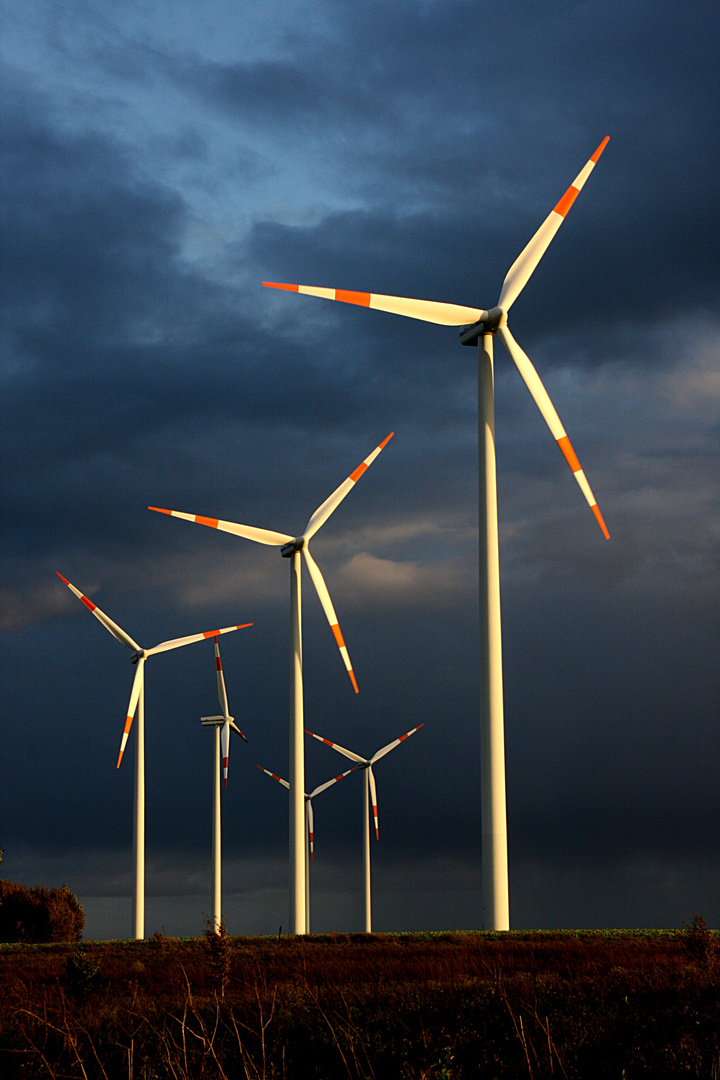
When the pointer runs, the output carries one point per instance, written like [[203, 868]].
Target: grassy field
[[403, 1007]]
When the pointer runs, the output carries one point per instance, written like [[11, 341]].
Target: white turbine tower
[[485, 324], [309, 829], [221, 725], [291, 548], [369, 795], [137, 704]]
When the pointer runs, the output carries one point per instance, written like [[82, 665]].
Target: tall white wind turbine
[[137, 704], [309, 829], [221, 748], [369, 795], [291, 547], [485, 325]]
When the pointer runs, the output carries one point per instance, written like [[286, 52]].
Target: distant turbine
[[485, 325], [369, 793], [137, 703], [290, 548], [222, 725], [309, 829]]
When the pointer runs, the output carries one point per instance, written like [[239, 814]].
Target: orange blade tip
[[600, 148], [353, 680], [280, 285], [387, 440], [601, 523], [62, 578], [159, 510]]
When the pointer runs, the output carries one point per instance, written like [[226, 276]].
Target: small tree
[[39, 915]]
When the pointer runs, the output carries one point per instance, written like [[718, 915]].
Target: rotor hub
[[496, 318], [288, 550]]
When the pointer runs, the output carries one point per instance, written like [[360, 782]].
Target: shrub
[[39, 915]]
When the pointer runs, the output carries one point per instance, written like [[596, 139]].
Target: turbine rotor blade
[[222, 693], [132, 707], [116, 631], [373, 800], [432, 311], [225, 749], [310, 825], [329, 783], [396, 742], [521, 270], [235, 728], [327, 604], [324, 511], [176, 643], [250, 532], [541, 398], [340, 749], [275, 777]]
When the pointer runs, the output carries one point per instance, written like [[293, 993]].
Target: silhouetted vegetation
[[38, 915], [403, 1007]]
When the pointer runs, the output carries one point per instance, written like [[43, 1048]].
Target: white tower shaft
[[297, 757], [492, 738]]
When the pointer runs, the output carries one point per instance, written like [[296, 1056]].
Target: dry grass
[[404, 1007]]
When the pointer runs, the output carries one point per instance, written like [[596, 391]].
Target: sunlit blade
[[275, 777], [329, 783], [176, 643], [323, 512], [432, 311], [262, 536], [396, 742], [235, 728], [540, 396], [222, 693], [310, 824], [134, 696], [519, 273], [373, 800], [329, 610], [340, 749], [225, 749], [114, 629]]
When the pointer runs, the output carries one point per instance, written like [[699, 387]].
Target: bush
[[39, 915]]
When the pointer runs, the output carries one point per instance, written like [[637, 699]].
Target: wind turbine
[[291, 548], [369, 792], [309, 829], [485, 324], [222, 725], [137, 704]]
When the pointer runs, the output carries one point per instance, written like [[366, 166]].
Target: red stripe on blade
[[212, 522], [567, 200], [361, 298], [355, 476], [570, 455], [279, 285]]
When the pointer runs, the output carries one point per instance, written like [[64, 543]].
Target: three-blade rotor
[[290, 544], [367, 763], [140, 654], [309, 798], [225, 719], [492, 321]]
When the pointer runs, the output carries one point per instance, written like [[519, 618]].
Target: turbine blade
[[275, 777], [310, 825], [340, 749], [323, 512], [132, 707], [222, 693], [115, 630], [541, 398], [262, 536], [396, 742], [176, 643], [225, 749], [432, 311], [521, 270], [235, 728], [373, 800], [322, 591], [329, 783]]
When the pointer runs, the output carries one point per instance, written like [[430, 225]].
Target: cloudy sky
[[160, 160]]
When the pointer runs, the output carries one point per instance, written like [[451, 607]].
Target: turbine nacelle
[[490, 323], [288, 550]]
